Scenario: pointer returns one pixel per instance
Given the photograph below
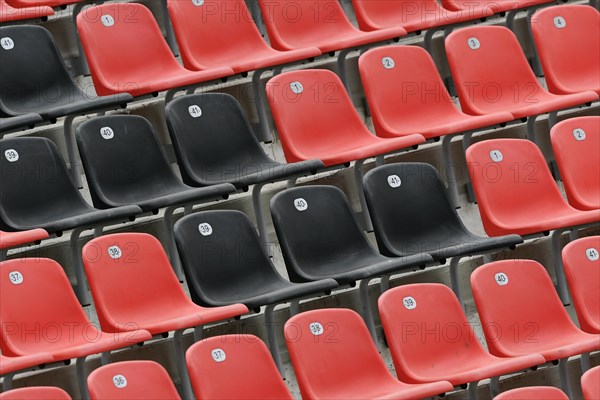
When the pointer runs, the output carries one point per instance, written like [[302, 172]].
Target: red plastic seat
[[132, 380], [410, 313], [495, 6], [492, 74], [582, 268], [410, 14], [567, 38], [522, 314], [126, 52], [535, 392], [8, 365], [9, 13], [320, 23], [590, 384], [41, 3], [235, 367], [335, 358], [406, 95], [575, 142], [37, 393], [235, 41], [14, 239], [321, 122], [518, 194]]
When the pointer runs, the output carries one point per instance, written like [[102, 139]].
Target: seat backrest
[[568, 42], [38, 307], [38, 393], [582, 268], [408, 203], [489, 67], [403, 88], [315, 227], [234, 367], [590, 384], [135, 380], [534, 392], [125, 270], [517, 305], [312, 110], [122, 40], [221, 255], [35, 182], [425, 324], [326, 346], [123, 160], [511, 178], [229, 25], [575, 142], [212, 138], [33, 76]]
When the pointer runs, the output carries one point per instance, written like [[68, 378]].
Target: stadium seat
[[124, 164], [320, 238], [37, 393], [39, 313], [131, 380], [334, 358], [218, 146], [323, 124], [534, 392], [412, 214], [410, 313], [9, 366], [122, 270], [517, 296], [35, 79], [562, 35], [406, 94], [590, 384], [37, 192], [224, 263], [235, 367], [8, 13], [127, 53], [25, 121], [582, 269], [14, 239], [575, 142], [517, 194], [492, 74]]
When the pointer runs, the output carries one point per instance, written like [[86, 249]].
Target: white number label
[[205, 229], [388, 62], [115, 252], [11, 155], [592, 254], [300, 204], [496, 155], [579, 134], [501, 279], [107, 20], [409, 303], [16, 278], [195, 111], [559, 22], [296, 87], [7, 43], [218, 355], [120, 381], [107, 133], [316, 329], [394, 181], [198, 3], [473, 43]]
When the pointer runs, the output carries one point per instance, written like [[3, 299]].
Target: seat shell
[[41, 3], [38, 393], [534, 392], [494, 6], [590, 384], [20, 121], [8, 13], [14, 239], [9, 365]]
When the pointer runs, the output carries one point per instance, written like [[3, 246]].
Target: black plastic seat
[[411, 213], [19, 122], [224, 264], [37, 192]]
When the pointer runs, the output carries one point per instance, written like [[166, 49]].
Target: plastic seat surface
[[219, 145], [492, 74], [235, 367], [47, 199], [44, 303], [494, 6], [20, 121], [590, 384], [534, 392], [520, 293], [516, 192], [127, 53], [320, 238], [37, 393], [41, 3], [334, 357], [582, 269], [14, 364], [14, 239], [320, 23], [321, 122], [132, 380], [125, 164], [235, 41], [454, 354], [224, 263], [35, 78], [413, 214], [9, 13], [575, 142], [568, 42], [406, 95]]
